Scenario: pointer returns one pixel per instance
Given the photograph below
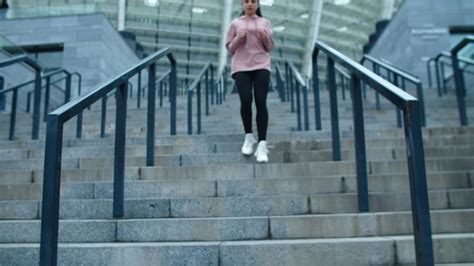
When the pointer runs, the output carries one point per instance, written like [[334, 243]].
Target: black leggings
[[259, 80]]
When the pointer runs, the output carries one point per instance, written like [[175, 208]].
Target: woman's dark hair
[[258, 12]]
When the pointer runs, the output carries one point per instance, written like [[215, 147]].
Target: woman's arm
[[266, 37], [234, 40]]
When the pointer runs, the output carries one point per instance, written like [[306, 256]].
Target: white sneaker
[[247, 147], [262, 152]]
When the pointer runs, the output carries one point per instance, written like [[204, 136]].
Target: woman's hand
[[262, 34], [242, 34]]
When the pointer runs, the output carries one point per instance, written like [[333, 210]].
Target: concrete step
[[85, 158], [236, 206], [235, 228], [389, 250], [241, 170], [274, 136], [223, 188]]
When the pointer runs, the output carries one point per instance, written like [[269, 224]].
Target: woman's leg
[[261, 83], [244, 86]]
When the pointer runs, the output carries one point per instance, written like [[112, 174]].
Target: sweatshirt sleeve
[[268, 43], [232, 41]]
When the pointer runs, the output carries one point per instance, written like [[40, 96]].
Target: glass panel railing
[[8, 48], [467, 52]]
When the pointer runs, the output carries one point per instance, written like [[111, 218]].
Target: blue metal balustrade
[[54, 139], [411, 108]]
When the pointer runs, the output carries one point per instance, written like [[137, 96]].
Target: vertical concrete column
[[122, 5], [387, 11], [226, 18], [314, 21]]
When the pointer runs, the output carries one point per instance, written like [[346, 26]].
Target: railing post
[[79, 125], [13, 115], [460, 89], [359, 139], [28, 102], [213, 85], [119, 158], [222, 90], [443, 74], [279, 85], [376, 69], [421, 98], [418, 186], [225, 83], [190, 112], [438, 82], [364, 90], [139, 91], [51, 188], [172, 95], [317, 102], [298, 105], [428, 70], [199, 108], [343, 89], [46, 97], [289, 96], [103, 116], [37, 105], [292, 90], [207, 93], [161, 93], [305, 107], [336, 146], [67, 95], [2, 96], [150, 132], [399, 114]]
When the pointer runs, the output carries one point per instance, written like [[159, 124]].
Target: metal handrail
[[439, 77], [54, 139], [459, 79], [15, 89], [28, 101], [445, 78], [221, 87], [345, 80], [2, 97], [404, 76], [298, 82], [280, 83], [37, 100], [196, 86], [415, 153]]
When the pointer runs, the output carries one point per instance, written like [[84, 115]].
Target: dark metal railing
[[47, 87], [297, 84], [440, 70], [399, 78], [345, 81], [206, 72], [2, 96], [415, 154], [221, 87], [46, 104], [281, 84], [37, 99], [54, 139], [67, 91], [459, 79]]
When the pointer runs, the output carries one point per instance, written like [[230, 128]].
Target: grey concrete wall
[[420, 30], [92, 46]]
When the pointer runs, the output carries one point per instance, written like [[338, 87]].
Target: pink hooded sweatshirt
[[249, 53]]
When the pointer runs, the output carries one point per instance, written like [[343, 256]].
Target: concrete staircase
[[206, 204]]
